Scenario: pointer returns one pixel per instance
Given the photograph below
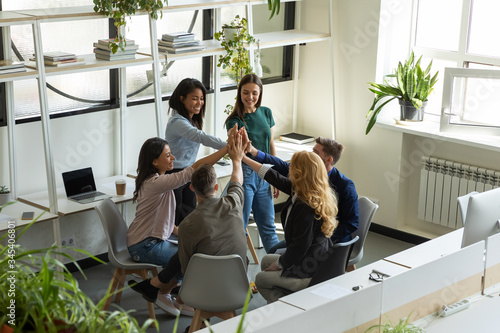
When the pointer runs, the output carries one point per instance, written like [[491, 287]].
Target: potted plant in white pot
[[4, 195], [412, 87]]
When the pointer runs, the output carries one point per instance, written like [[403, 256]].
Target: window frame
[[207, 65], [462, 59]]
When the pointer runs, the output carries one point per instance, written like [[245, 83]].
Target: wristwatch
[[279, 264]]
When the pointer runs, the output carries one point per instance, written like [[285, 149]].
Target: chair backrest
[[215, 283], [336, 263], [463, 203], [115, 228], [367, 210]]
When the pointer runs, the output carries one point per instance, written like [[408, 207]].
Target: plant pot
[[4, 198], [231, 33], [409, 112], [6, 329]]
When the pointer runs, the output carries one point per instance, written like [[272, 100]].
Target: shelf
[[93, 64], [13, 18], [61, 13], [267, 40], [29, 74], [289, 37]]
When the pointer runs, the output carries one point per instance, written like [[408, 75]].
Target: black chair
[[336, 264], [333, 266]]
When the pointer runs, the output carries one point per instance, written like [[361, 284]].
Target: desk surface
[[481, 316], [262, 319], [340, 286], [15, 211], [66, 207], [428, 251]]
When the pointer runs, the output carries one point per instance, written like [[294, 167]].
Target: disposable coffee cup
[[121, 186]]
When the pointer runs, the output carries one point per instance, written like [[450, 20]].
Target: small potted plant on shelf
[[412, 88], [4, 194], [234, 38], [119, 11]]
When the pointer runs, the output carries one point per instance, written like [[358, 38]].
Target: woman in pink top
[[155, 212]]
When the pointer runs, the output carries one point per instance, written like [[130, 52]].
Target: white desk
[[66, 207], [428, 251], [340, 286], [15, 211], [264, 319], [481, 316]]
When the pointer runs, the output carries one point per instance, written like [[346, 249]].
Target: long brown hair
[[184, 88], [151, 149], [239, 109], [310, 184]]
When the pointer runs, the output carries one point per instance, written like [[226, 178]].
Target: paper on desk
[[330, 291]]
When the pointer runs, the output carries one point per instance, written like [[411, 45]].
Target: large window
[[460, 34], [97, 90]]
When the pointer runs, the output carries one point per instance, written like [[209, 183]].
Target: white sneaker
[[166, 303], [185, 309]]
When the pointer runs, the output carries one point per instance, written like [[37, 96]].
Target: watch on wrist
[[279, 264]]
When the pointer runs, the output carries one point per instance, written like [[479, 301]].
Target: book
[[106, 46], [58, 55], [177, 36], [107, 41], [117, 54], [12, 70], [60, 63], [109, 57], [179, 43], [296, 138], [182, 49], [8, 64]]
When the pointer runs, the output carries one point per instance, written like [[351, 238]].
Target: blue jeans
[[259, 200], [153, 250]]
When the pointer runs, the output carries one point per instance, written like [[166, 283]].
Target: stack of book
[[60, 59], [103, 51], [179, 42], [9, 66]]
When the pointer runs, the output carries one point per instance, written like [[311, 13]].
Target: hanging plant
[[120, 10]]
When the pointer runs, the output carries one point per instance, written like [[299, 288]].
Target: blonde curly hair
[[310, 184]]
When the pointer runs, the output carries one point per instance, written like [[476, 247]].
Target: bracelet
[[279, 264]]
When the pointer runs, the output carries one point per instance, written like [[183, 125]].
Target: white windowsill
[[429, 128]]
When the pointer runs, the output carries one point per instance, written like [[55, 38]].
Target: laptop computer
[[80, 186]]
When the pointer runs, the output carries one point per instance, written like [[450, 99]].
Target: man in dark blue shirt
[[329, 151]]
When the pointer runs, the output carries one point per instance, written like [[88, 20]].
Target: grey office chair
[[367, 210], [214, 286], [463, 203], [116, 235]]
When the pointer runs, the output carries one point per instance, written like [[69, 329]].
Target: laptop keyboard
[[88, 195]]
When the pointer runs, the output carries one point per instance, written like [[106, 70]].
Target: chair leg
[[226, 314], [350, 268], [196, 321], [121, 282], [114, 283], [252, 248]]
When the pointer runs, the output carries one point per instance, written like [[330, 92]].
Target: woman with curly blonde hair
[[308, 219]]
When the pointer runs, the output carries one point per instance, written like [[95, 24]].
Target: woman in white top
[[185, 134]]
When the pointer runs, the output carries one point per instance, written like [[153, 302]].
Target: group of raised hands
[[238, 143]]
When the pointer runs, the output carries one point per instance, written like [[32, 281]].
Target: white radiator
[[443, 181]]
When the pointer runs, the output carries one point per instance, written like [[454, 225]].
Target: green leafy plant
[[274, 7], [4, 189], [236, 59], [120, 10], [412, 84], [41, 295], [403, 326]]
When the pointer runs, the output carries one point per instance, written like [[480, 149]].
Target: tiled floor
[[98, 277]]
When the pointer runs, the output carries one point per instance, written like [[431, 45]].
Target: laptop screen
[[78, 181]]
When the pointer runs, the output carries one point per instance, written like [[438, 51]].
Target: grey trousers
[[267, 281]]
